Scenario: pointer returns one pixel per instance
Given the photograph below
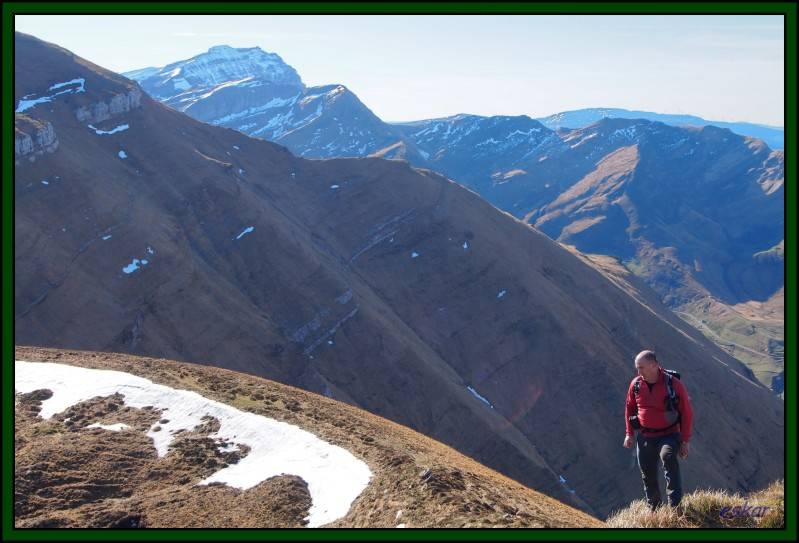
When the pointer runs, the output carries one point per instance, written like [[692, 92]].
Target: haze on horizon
[[411, 67]]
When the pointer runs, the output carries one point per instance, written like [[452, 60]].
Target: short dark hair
[[649, 356]]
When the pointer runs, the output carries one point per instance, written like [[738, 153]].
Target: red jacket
[[652, 407]]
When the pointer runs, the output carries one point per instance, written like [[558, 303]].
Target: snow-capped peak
[[223, 63], [223, 49], [220, 64]]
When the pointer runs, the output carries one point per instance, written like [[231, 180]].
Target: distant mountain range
[[773, 136], [140, 230], [692, 208], [629, 188]]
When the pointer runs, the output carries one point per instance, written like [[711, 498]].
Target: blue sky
[[725, 67]]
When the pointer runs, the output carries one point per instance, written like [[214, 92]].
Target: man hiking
[[659, 408]]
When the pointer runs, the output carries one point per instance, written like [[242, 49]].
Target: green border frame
[[777, 8]]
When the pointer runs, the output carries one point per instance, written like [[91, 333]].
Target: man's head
[[646, 364]]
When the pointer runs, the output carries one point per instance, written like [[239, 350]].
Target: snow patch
[[106, 238], [585, 139], [501, 294], [245, 232], [114, 130], [25, 105], [77, 81], [122, 155], [271, 104], [118, 427], [626, 133], [479, 397], [334, 476], [181, 84], [134, 265], [414, 255]]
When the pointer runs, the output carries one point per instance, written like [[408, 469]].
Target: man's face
[[648, 369]]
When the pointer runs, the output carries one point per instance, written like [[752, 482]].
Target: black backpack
[[672, 400]]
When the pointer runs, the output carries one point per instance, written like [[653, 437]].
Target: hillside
[[692, 208], [78, 467], [393, 289], [696, 212]]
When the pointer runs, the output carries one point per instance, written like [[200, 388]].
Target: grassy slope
[[754, 333]]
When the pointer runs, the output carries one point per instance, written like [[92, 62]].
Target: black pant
[[665, 448]]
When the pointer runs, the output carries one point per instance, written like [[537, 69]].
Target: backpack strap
[[669, 386], [672, 396], [670, 374]]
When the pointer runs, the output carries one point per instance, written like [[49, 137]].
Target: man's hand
[[628, 442], [683, 450]]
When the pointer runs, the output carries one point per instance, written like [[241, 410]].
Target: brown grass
[[703, 509], [69, 476]]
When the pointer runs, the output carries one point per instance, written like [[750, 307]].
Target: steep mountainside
[[697, 212], [256, 93], [389, 288], [338, 466], [692, 254], [619, 184]]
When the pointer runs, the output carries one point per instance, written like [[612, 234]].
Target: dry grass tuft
[[709, 509]]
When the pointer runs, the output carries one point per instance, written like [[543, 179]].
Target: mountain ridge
[[321, 121], [773, 136]]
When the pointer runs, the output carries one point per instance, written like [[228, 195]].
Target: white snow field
[[334, 476]]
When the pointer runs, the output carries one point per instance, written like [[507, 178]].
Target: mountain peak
[[221, 48], [221, 64], [228, 50]]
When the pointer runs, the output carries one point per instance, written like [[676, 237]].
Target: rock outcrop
[[32, 138], [101, 111]]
